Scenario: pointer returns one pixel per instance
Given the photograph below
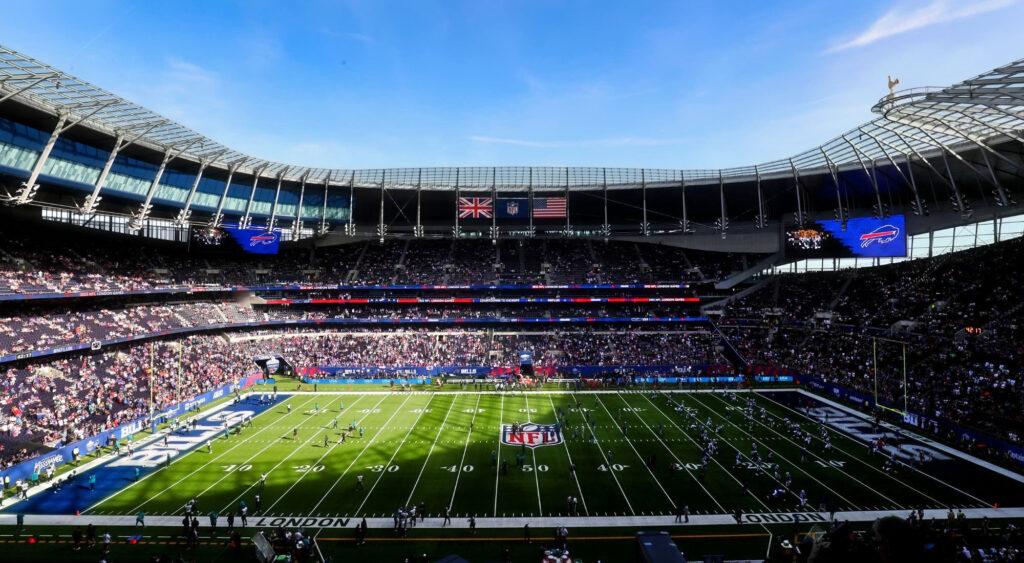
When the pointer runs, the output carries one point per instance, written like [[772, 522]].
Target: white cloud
[[901, 20], [611, 142]]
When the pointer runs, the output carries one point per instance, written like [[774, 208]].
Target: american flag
[[549, 208], [475, 208]]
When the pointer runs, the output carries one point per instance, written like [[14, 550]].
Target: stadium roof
[[911, 124]]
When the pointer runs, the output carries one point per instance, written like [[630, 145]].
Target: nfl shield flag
[[513, 208]]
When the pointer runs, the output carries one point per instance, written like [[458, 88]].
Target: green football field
[[435, 449]]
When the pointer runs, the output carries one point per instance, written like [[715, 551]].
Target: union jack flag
[[476, 208]]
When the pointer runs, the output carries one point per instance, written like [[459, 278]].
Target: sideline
[[325, 522]]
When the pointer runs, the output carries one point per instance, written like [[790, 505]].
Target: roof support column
[[247, 218], [880, 210], [350, 227], [606, 228], [28, 189], [185, 212], [219, 216], [93, 199], [833, 170], [645, 227], [723, 222], [918, 206], [277, 196], [457, 232], [800, 216], [297, 224], [761, 221], [684, 223], [417, 231], [381, 228], [143, 213], [568, 228], [531, 201], [494, 205]]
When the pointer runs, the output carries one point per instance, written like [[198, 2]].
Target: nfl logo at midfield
[[531, 435]]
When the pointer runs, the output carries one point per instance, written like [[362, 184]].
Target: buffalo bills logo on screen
[[882, 235], [262, 239], [531, 435]]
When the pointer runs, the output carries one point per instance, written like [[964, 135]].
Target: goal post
[[890, 378]]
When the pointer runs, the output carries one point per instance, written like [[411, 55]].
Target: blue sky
[[384, 84]]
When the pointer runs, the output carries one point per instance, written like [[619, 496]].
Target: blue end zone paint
[[117, 473]]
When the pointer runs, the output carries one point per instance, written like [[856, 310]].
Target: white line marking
[[536, 472], [427, 460], [462, 462], [607, 463], [381, 429], [392, 458], [569, 455]]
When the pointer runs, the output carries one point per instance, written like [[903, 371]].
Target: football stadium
[[209, 356]]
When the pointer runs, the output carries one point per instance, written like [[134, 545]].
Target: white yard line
[[795, 465], [462, 462], [315, 463], [724, 441], [681, 463], [392, 458], [966, 457], [638, 456], [536, 472], [849, 455], [569, 455], [294, 451], [205, 465], [427, 460], [497, 465], [607, 463], [360, 454]]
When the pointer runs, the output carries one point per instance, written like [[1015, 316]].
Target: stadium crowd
[[67, 399], [78, 264]]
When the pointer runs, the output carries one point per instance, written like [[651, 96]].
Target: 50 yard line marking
[[569, 455], [360, 454], [536, 472], [200, 468], [427, 460], [464, 448]]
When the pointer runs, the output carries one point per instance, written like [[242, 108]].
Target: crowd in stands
[[62, 400], [68, 399], [960, 315], [77, 264], [50, 329]]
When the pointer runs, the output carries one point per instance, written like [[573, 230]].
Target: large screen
[[231, 239], [863, 237]]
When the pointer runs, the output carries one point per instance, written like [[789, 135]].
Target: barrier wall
[[339, 287]]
